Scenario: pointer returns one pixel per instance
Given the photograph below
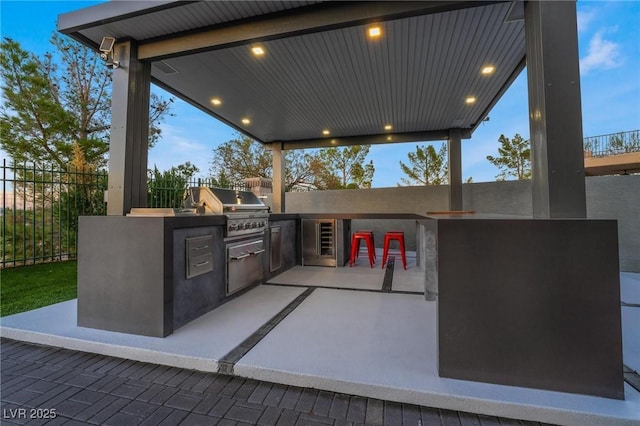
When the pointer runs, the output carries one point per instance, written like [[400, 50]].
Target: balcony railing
[[612, 144]]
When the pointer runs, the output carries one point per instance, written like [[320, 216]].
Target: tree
[[168, 188], [514, 159], [342, 168], [243, 157], [428, 167], [64, 98]]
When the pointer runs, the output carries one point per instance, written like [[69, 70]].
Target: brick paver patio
[[82, 388]]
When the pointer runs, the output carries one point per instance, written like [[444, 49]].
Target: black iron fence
[[40, 206], [612, 144], [40, 209]]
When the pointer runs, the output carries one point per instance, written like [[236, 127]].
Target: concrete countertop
[[285, 216], [472, 216]]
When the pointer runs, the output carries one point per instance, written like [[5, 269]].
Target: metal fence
[[40, 206], [40, 209], [612, 144]]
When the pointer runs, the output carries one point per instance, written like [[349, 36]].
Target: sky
[[609, 49]]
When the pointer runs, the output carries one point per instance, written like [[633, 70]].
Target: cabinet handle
[[242, 256], [258, 252], [201, 263], [199, 248]]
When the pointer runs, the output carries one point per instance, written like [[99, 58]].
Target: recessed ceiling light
[[388, 127], [326, 132], [470, 100], [375, 31], [216, 101], [258, 50], [488, 70], [246, 121]]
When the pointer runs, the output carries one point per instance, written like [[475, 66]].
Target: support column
[[278, 177], [555, 114], [129, 142], [454, 156]]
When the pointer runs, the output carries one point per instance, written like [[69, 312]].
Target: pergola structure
[[308, 74]]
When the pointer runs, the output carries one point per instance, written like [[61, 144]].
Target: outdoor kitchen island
[[132, 272], [153, 273]]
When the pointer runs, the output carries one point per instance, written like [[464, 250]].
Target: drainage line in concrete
[[227, 362], [388, 275]]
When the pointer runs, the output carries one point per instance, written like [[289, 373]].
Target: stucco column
[[129, 141], [278, 177], [555, 114], [455, 169]]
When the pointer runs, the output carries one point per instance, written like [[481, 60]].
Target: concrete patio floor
[[367, 342]]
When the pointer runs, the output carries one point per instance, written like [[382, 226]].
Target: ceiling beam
[[385, 138], [109, 12], [305, 21]]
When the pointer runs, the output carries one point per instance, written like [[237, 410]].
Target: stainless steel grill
[[244, 211]]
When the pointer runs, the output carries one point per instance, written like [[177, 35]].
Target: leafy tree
[[331, 168], [240, 158], [342, 168], [168, 188], [427, 167], [514, 159], [243, 157], [58, 100]]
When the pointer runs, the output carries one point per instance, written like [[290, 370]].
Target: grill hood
[[209, 200]]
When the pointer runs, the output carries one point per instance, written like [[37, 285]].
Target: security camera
[[107, 45], [106, 52]]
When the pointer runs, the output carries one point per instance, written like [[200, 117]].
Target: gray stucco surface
[[124, 293], [618, 197]]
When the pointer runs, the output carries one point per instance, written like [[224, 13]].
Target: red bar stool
[[355, 246], [373, 242], [399, 237]]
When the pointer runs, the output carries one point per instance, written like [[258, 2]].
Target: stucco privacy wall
[[608, 197], [618, 197]]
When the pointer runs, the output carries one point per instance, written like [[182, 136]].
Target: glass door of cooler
[[319, 242]]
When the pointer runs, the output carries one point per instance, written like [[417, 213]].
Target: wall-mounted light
[[106, 52]]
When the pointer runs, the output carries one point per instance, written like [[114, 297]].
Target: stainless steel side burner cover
[[161, 212]]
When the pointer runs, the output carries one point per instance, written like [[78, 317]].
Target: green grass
[[24, 288]]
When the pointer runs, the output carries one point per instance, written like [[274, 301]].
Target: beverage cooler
[[325, 242]]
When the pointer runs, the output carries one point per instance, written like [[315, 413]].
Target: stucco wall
[[618, 197], [608, 197]]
